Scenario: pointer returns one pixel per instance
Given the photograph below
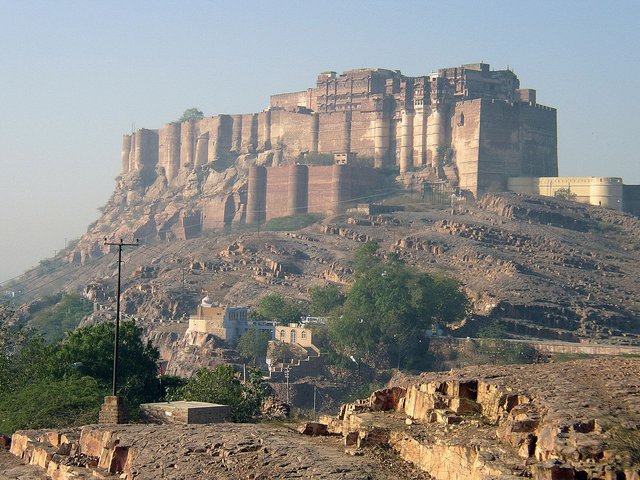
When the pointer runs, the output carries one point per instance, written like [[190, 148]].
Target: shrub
[[222, 385], [51, 403]]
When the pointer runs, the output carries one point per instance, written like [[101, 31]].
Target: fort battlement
[[472, 117]]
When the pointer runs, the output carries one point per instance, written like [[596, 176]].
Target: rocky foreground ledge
[[574, 420], [191, 452]]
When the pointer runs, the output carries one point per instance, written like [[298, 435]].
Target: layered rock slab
[[222, 451]]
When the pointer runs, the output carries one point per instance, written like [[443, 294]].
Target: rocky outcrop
[[344, 232], [185, 352], [544, 421]]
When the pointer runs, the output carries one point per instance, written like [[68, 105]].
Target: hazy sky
[[75, 76]]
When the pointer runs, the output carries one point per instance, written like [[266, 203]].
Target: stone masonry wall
[[374, 113]]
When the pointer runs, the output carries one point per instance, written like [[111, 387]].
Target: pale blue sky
[[75, 75]]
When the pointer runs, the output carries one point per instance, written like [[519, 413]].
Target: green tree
[[191, 114], [51, 403], [389, 308], [276, 308], [253, 344], [365, 257], [22, 354], [31, 396], [62, 384], [325, 299], [89, 351], [222, 385], [565, 194]]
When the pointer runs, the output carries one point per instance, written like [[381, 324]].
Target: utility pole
[[286, 375], [314, 402], [116, 345]]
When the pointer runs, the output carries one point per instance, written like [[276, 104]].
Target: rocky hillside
[[545, 267]]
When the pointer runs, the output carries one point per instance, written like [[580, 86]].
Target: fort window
[[461, 119], [282, 334], [303, 334]]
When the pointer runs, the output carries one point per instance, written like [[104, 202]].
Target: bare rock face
[[273, 408], [163, 210], [553, 421]]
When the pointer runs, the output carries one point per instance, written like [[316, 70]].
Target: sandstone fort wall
[[477, 118], [465, 141], [320, 189], [513, 137], [297, 189]]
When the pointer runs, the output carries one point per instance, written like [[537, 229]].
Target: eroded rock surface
[[543, 267], [550, 421], [223, 451]]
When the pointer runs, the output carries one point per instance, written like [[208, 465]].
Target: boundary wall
[[601, 191]]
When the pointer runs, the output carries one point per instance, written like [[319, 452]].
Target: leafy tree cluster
[[324, 300], [565, 194], [253, 345], [64, 383], [389, 308], [276, 308], [222, 385], [89, 352]]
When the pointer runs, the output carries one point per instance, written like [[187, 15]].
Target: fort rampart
[[298, 189], [470, 117], [601, 191]]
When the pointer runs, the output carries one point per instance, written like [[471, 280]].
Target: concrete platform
[[185, 412]]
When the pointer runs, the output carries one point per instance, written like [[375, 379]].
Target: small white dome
[[206, 301]]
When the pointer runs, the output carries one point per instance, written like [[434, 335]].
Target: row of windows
[[283, 334]]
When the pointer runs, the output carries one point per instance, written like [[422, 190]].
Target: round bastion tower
[[406, 141], [257, 194], [298, 189], [435, 135], [606, 192]]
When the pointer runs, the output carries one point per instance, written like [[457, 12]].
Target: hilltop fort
[[465, 128], [474, 119], [461, 133]]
